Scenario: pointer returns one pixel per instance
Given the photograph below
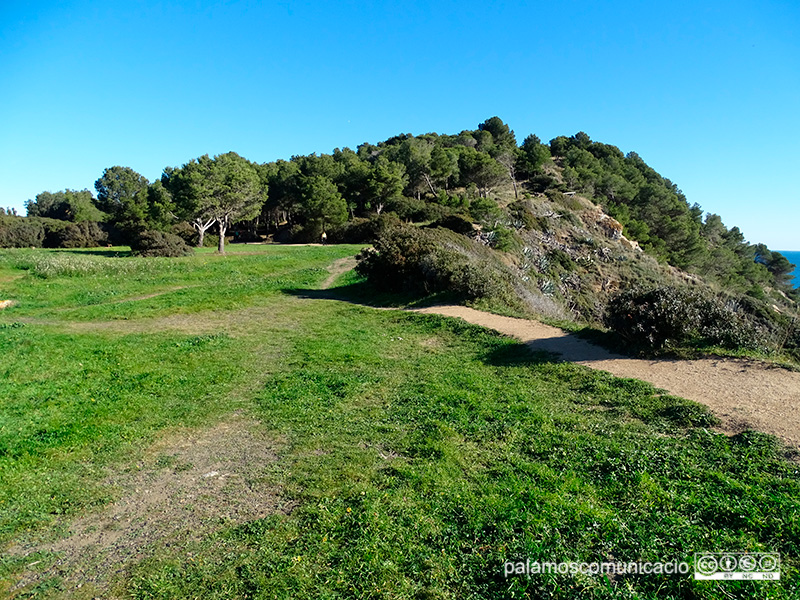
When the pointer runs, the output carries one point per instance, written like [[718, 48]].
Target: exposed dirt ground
[[336, 268], [742, 393], [189, 484]]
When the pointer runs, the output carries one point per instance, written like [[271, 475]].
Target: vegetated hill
[[584, 224], [552, 229]]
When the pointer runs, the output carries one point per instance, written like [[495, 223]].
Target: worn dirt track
[[742, 393]]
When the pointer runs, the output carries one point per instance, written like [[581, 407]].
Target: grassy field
[[395, 455]]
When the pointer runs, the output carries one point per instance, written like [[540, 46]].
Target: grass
[[419, 453]]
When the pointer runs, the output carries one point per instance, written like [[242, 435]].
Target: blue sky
[[707, 93]]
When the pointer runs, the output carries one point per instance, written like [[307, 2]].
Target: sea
[[794, 258]]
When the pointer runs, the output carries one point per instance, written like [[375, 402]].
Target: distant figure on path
[[324, 238]]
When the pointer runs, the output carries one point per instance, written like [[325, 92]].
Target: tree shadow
[[95, 252], [519, 354], [365, 294]]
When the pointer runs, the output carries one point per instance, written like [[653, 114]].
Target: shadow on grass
[[519, 354], [110, 253], [557, 349], [364, 294]]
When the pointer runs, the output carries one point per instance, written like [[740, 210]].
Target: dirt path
[[742, 393], [336, 268], [189, 484]]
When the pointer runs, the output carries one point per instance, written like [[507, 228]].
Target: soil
[[189, 484], [336, 268]]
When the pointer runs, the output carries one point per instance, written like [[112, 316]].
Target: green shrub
[[559, 258], [394, 262], [210, 240], [86, 234], [158, 243], [411, 209], [361, 231], [522, 215], [669, 316], [503, 239], [20, 232], [405, 258], [186, 232], [456, 223], [484, 209]]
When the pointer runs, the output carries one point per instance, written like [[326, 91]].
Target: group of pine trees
[[417, 178], [655, 213]]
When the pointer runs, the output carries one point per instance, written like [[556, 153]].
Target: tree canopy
[[67, 205], [225, 188], [420, 178]]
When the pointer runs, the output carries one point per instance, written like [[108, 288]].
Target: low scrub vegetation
[[17, 232], [158, 243], [668, 316], [436, 260]]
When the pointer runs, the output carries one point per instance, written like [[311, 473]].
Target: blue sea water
[[794, 258]]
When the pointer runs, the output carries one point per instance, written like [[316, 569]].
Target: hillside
[[215, 427], [573, 231]]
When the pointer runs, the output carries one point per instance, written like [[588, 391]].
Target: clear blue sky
[[708, 92]]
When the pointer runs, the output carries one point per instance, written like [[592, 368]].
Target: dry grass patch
[[188, 485]]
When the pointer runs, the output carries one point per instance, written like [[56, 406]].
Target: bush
[[362, 231], [558, 258], [211, 240], [186, 232], [86, 234], [522, 215], [411, 209], [484, 209], [405, 258], [158, 243], [668, 316], [455, 223], [20, 232], [503, 239]]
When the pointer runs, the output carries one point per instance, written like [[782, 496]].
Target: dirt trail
[[190, 484], [742, 393], [336, 268]]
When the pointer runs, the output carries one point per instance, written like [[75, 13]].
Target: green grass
[[420, 453]]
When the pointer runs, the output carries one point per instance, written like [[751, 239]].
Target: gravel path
[[742, 393]]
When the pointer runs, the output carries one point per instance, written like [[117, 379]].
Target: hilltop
[[573, 231]]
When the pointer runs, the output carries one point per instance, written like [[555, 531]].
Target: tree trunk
[[201, 230], [222, 229], [430, 183]]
